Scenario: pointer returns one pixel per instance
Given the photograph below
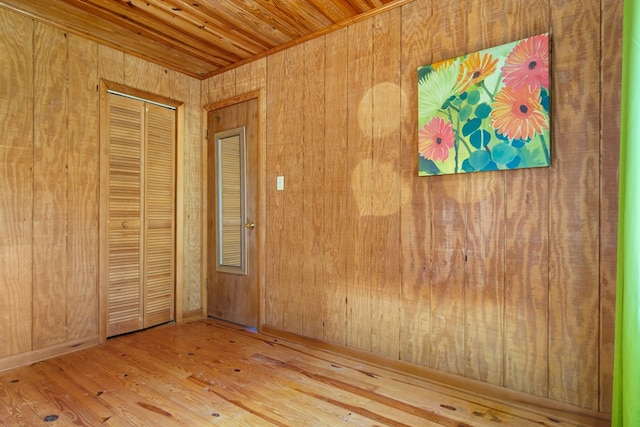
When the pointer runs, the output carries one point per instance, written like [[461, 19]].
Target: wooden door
[[125, 215], [231, 296], [139, 196], [159, 243]]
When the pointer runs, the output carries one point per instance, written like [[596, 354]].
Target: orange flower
[[517, 113], [475, 68], [435, 139]]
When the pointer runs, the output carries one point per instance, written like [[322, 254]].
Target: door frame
[[260, 196], [103, 282]]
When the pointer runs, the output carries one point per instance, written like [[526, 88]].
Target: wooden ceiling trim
[[365, 5], [150, 28], [339, 25], [222, 22], [336, 11], [267, 12], [200, 38], [68, 18], [150, 21], [302, 13]]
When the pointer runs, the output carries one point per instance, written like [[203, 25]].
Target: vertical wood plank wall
[[49, 188], [610, 93], [16, 189], [527, 246], [503, 277]]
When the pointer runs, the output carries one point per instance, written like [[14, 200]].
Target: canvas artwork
[[485, 111]]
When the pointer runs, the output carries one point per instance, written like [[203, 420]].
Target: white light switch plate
[[280, 183]]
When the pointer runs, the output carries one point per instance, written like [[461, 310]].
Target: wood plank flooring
[[211, 373]]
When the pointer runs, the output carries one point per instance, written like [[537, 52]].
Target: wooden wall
[[49, 188], [507, 278]]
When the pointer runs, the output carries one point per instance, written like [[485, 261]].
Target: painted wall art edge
[[487, 110]]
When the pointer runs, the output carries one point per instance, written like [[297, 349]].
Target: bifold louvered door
[[141, 206], [159, 247]]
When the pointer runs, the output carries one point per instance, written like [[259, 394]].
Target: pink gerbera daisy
[[528, 64], [517, 113], [435, 139]]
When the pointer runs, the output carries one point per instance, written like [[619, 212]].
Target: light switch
[[280, 183]]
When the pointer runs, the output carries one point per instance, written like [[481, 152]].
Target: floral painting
[[485, 111]]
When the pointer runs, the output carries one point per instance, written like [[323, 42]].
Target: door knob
[[250, 225]]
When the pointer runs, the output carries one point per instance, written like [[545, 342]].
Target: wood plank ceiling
[[199, 38]]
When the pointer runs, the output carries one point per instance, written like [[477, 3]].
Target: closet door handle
[[125, 224]]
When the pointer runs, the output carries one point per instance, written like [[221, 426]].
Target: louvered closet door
[[125, 214], [141, 200], [159, 197]]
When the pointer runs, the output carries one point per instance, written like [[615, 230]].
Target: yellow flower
[[442, 64], [475, 68]]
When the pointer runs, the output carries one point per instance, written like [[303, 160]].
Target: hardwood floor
[[211, 373]]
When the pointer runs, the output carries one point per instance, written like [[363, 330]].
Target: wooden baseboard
[[191, 316], [513, 398], [34, 356]]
